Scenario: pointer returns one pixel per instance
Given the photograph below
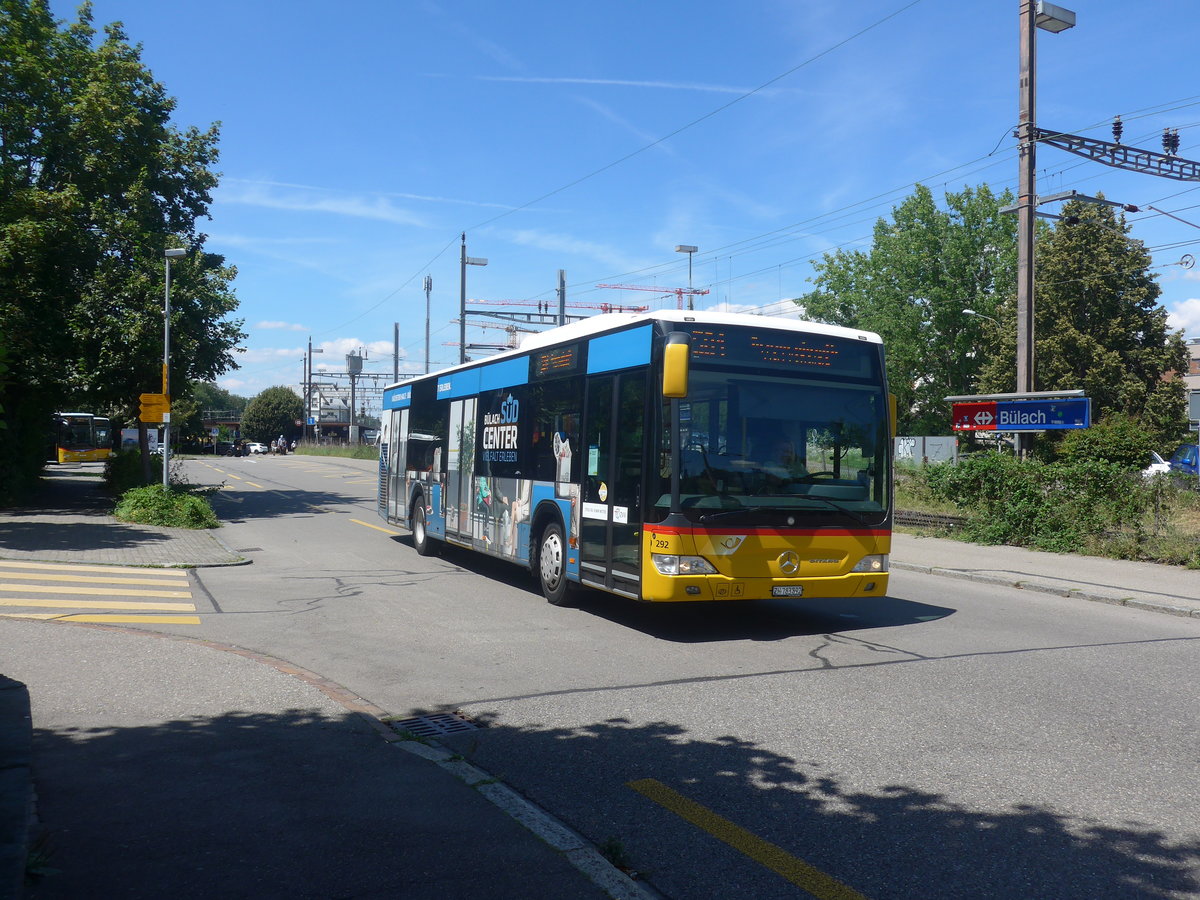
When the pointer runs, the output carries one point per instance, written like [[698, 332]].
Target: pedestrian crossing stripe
[[100, 604], [113, 570], [92, 579], [107, 592], [100, 619]]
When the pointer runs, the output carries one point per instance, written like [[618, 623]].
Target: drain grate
[[435, 725]]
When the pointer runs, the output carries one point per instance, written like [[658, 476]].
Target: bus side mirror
[[892, 413], [675, 365]]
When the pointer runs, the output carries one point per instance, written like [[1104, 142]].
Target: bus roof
[[605, 322]]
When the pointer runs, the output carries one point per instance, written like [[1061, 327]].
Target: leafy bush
[[174, 508], [1116, 439], [124, 471], [1058, 506]]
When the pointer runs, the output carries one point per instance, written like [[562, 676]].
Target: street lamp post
[[308, 387], [1034, 14], [464, 261], [166, 366], [689, 250], [979, 315]]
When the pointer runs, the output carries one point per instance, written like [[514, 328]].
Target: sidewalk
[[171, 766], [1163, 589]]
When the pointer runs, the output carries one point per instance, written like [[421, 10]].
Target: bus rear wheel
[[422, 542], [552, 566]]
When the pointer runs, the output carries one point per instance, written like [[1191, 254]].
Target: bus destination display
[[558, 361], [776, 349]]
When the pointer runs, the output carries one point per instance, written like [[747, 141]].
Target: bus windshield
[[792, 438]]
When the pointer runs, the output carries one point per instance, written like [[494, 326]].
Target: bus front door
[[610, 549]]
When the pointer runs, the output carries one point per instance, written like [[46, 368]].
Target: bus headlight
[[669, 564], [874, 563]]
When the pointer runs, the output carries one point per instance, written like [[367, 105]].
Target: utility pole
[[428, 290], [464, 261], [1026, 201], [395, 352], [308, 388], [562, 297]]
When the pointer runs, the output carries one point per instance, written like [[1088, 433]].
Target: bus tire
[[422, 542], [552, 565]]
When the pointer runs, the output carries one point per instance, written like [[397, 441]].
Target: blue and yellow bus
[[668, 456], [81, 437]]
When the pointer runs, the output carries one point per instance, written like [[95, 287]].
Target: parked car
[[255, 447], [1158, 466], [1186, 459]]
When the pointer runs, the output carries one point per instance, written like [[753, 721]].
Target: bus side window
[[556, 439]]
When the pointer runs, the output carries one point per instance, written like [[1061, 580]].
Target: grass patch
[[364, 452], [178, 507]]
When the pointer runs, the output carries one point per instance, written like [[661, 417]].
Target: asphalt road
[[950, 740]]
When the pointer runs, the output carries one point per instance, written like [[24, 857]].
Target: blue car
[[1186, 459]]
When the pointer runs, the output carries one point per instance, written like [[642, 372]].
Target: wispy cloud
[[609, 256], [784, 309], [644, 136], [424, 198], [300, 199], [288, 326], [622, 82]]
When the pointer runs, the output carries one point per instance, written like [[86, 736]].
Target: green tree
[[272, 413], [205, 397], [95, 183], [1099, 325], [923, 269]]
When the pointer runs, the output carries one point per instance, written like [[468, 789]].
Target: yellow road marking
[[115, 619], [376, 527], [71, 567], [252, 484], [797, 871], [101, 604], [91, 579], [231, 475], [105, 592]]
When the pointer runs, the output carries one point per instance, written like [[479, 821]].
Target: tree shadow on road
[[896, 840]]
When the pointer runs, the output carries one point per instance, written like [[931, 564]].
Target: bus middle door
[[610, 546]]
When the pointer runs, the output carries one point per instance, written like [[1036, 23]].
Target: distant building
[[1192, 379]]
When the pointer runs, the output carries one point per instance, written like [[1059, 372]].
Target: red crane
[[678, 292], [549, 306]]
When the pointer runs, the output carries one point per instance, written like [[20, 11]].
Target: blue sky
[[358, 140]]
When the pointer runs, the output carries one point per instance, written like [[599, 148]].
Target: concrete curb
[[1026, 585], [574, 847]]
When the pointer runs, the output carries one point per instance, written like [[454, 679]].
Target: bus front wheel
[[552, 565], [424, 544]]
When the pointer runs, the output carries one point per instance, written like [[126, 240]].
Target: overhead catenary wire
[[785, 234]]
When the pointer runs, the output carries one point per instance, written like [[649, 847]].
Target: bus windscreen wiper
[[833, 506], [839, 507], [712, 517]]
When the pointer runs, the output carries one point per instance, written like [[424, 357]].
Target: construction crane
[[549, 306], [511, 342], [678, 292]]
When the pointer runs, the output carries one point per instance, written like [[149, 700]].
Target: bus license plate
[[788, 590]]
